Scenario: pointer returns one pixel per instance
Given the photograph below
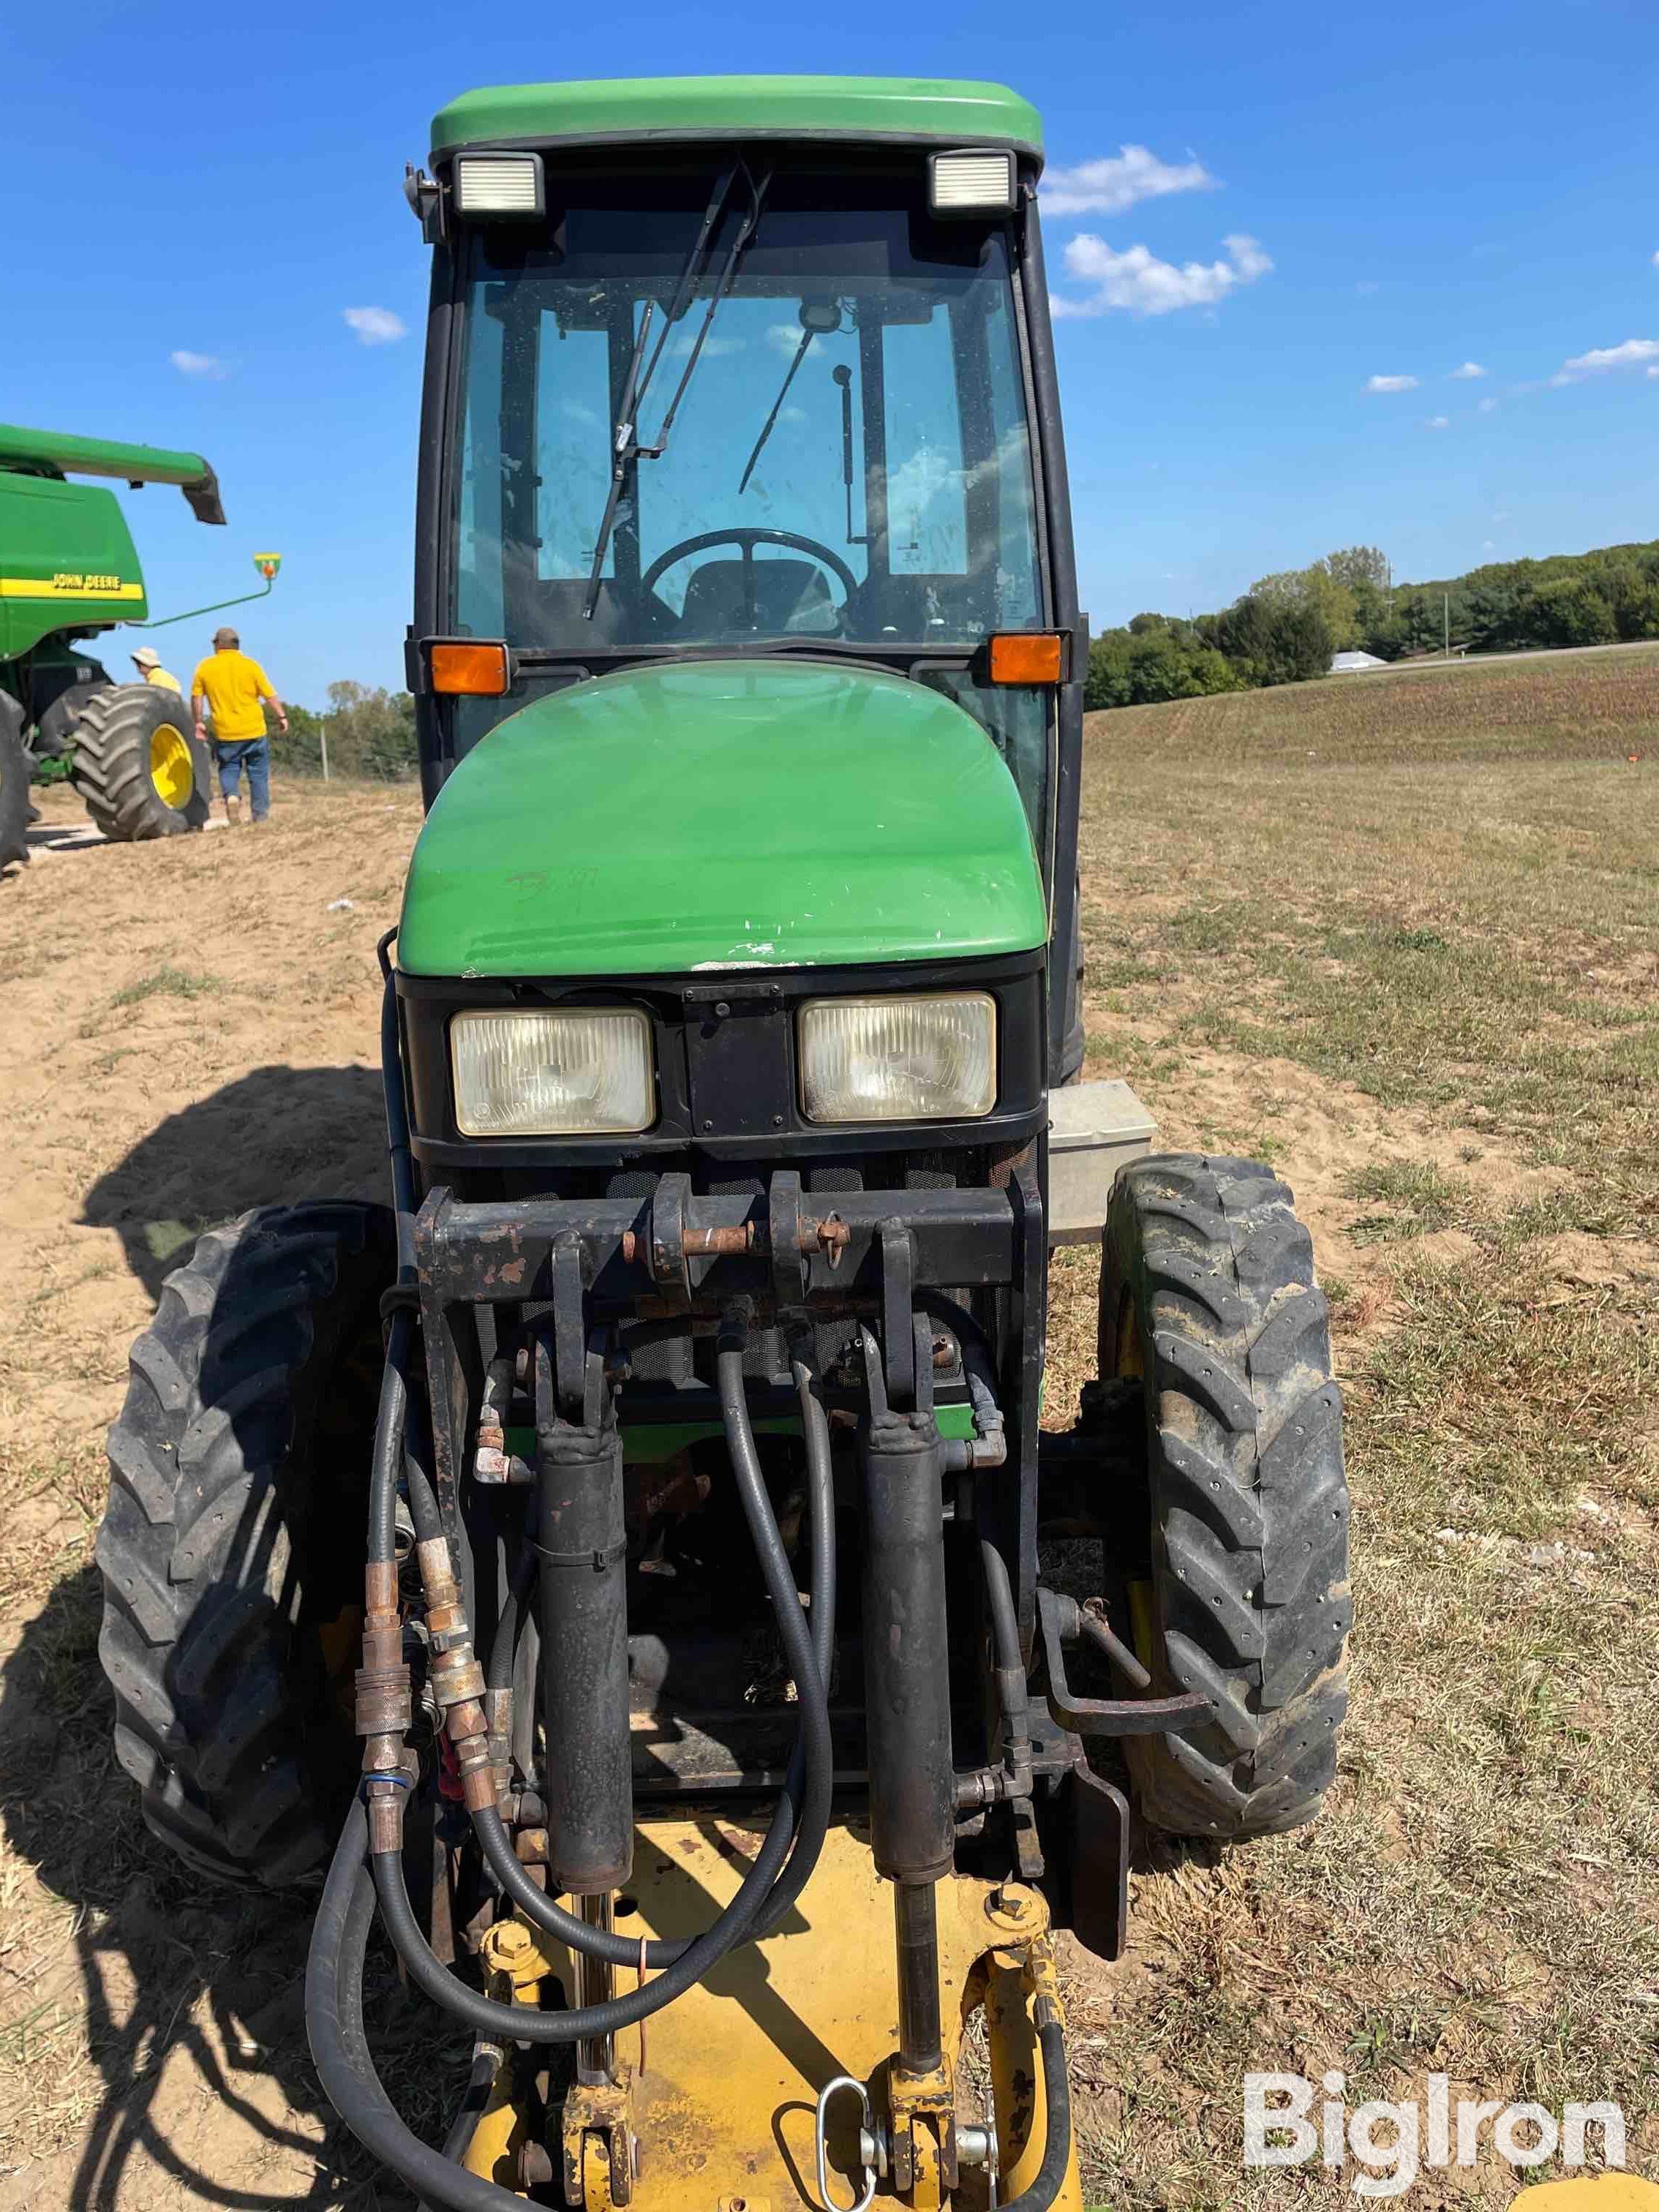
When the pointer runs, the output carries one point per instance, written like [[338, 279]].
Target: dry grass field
[[1399, 935]]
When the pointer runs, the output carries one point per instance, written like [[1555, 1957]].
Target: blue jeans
[[254, 754]]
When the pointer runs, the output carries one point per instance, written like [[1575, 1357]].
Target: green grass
[[167, 983], [1450, 960]]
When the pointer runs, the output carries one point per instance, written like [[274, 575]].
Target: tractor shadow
[[186, 1998], [274, 1135], [189, 1996]]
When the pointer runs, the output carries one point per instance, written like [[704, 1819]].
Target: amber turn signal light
[[469, 670], [1024, 656]]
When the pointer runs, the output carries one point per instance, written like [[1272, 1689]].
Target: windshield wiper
[[626, 444], [816, 319]]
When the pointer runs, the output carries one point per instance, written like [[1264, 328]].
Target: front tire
[[16, 810], [1208, 1297], [138, 764], [233, 1547]]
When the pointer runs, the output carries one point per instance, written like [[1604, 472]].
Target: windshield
[[848, 460]]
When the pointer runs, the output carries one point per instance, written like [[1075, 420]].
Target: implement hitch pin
[[830, 1235], [868, 2140]]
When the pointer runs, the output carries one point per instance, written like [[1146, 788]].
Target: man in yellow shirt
[[148, 662], [237, 691]]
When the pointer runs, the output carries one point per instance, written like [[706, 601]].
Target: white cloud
[[712, 348], [1127, 177], [1390, 384], [1138, 282], [1485, 406], [199, 364], [1655, 260], [1438, 422], [1600, 359], [1470, 369], [375, 325]]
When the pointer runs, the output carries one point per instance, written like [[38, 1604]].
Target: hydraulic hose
[[1000, 1602], [334, 2023], [392, 1419], [1057, 2117], [521, 2024], [498, 1672], [603, 1942], [389, 1426]]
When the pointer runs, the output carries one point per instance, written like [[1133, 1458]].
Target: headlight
[[584, 1072], [899, 1059]]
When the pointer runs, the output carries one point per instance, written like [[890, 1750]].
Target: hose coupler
[[384, 1710], [457, 1680]]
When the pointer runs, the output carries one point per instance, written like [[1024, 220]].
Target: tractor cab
[[747, 370]]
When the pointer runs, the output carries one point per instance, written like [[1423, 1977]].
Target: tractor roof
[[665, 109], [60, 454]]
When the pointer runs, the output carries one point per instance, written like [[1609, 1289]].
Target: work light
[[971, 183], [899, 1059], [507, 187], [581, 1072]]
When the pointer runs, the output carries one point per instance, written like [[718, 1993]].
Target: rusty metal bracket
[[923, 2140], [1060, 1623], [602, 2112]]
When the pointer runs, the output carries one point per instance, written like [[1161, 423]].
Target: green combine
[[69, 570]]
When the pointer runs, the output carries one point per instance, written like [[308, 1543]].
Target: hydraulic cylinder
[[907, 1677], [582, 1540]]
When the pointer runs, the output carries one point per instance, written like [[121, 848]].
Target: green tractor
[[619, 1564], [69, 570]]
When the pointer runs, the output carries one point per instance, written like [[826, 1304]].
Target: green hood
[[723, 814]]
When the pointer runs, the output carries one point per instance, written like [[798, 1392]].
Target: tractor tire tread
[[1248, 1495], [204, 1547], [110, 767]]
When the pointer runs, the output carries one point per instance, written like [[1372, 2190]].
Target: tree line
[[1287, 626], [370, 733]]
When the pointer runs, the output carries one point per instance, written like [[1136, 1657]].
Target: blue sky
[[1406, 190]]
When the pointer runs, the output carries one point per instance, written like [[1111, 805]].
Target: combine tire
[[54, 736], [15, 812], [138, 763], [231, 1549], [1207, 1296]]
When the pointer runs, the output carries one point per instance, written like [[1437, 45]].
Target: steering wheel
[[747, 539]]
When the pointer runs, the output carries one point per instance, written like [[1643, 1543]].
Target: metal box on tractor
[[618, 1564], [68, 571]]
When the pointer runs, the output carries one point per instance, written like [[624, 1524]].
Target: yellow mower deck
[[723, 2106]]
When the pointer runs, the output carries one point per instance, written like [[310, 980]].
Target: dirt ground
[[192, 1030]]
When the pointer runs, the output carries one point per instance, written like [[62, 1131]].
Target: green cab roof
[[953, 110]]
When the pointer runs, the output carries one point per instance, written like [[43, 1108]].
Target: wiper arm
[[806, 338], [745, 232], [623, 448], [626, 445]]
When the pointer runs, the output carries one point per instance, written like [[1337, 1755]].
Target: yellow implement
[[725, 2093]]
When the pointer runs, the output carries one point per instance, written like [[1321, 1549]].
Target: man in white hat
[[148, 662]]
